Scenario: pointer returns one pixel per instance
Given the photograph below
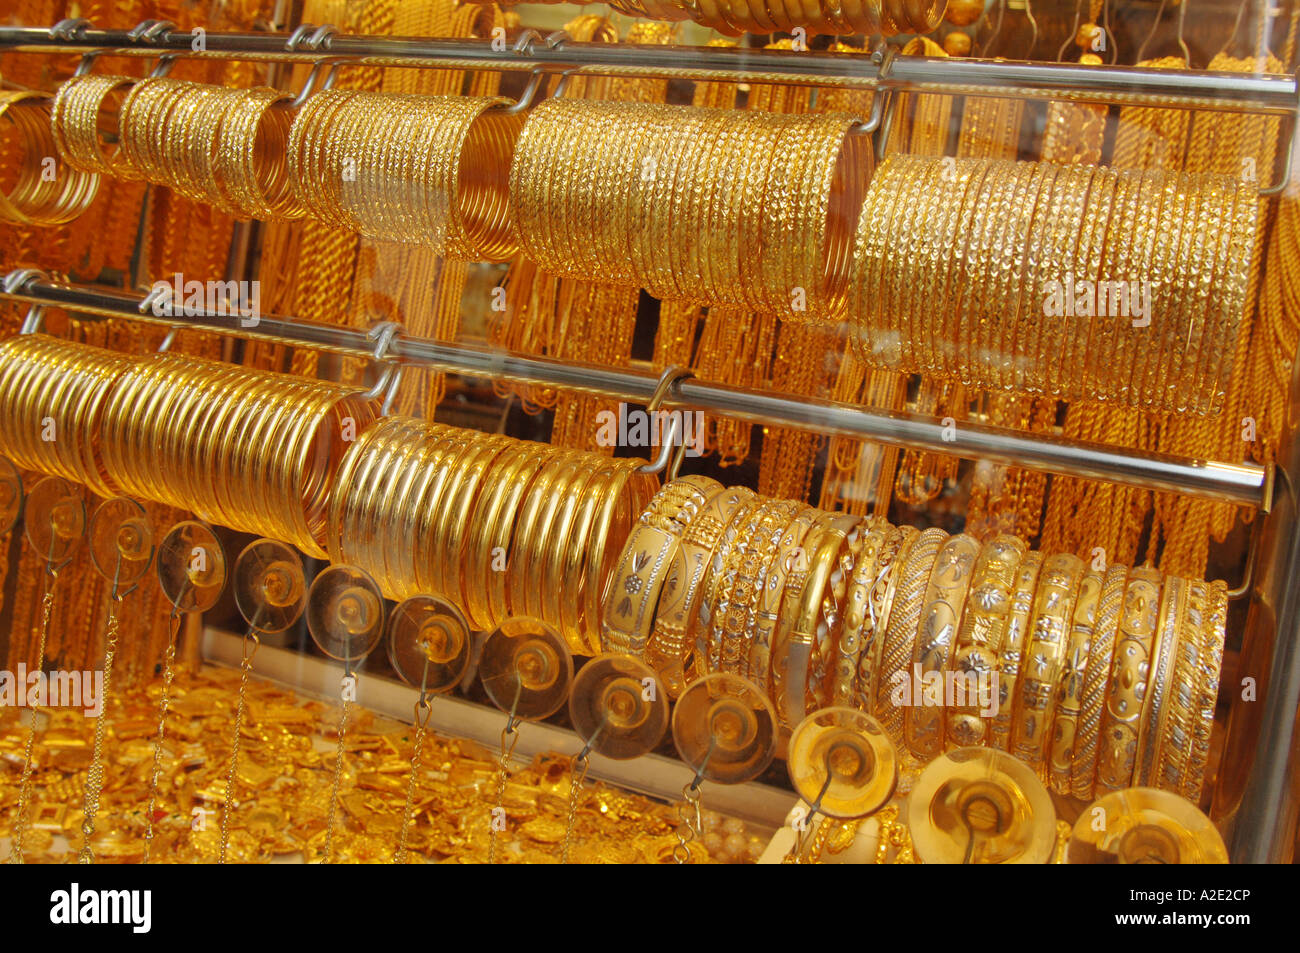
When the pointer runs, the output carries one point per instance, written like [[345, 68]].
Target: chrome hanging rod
[[1226, 482], [1269, 94]]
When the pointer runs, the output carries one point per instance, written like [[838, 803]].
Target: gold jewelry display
[[427, 169], [1112, 300], [41, 194], [794, 241], [226, 147], [886, 17]]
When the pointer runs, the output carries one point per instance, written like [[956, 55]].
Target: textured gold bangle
[[1121, 719], [1180, 701], [940, 620], [1207, 689], [904, 619], [1155, 707], [1096, 681], [979, 638], [671, 642], [1014, 648], [1069, 703], [854, 630], [892, 555], [1058, 588]]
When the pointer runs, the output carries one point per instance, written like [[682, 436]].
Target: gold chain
[[95, 776], [24, 786], [577, 774], [169, 673], [692, 823], [251, 642], [509, 738], [338, 774], [422, 712]]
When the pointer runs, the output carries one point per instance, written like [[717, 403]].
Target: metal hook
[[34, 320], [672, 445], [150, 30], [383, 334], [19, 278], [87, 62], [165, 64], [1033, 23], [525, 42], [1289, 140], [997, 28], [70, 28], [1074, 31], [166, 344], [1252, 558], [1155, 25], [530, 92]]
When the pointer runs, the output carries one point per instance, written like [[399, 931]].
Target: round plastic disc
[[1144, 826], [428, 643], [11, 495], [526, 667], [191, 566], [345, 613], [841, 760], [980, 806], [121, 541], [725, 728], [269, 586], [56, 519], [618, 707]]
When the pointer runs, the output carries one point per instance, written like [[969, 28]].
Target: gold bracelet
[[1096, 680], [1176, 731], [979, 639], [857, 613], [1207, 689], [1069, 705], [1014, 648], [1054, 601], [1121, 719], [904, 619], [671, 642], [1155, 708], [892, 551], [940, 620]]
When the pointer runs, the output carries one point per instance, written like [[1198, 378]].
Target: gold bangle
[[1014, 648], [892, 551], [1155, 709], [1120, 721], [1207, 689], [1054, 601], [1176, 731], [670, 644], [904, 619], [940, 620], [857, 613], [1069, 705], [1096, 680], [979, 639]]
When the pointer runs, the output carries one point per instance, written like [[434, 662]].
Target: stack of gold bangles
[[252, 450], [209, 143], [1097, 679], [52, 399], [44, 192], [420, 169], [717, 206], [1078, 282], [499, 527]]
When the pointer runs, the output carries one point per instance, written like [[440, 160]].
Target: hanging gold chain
[[251, 642], [95, 776], [338, 774], [24, 786], [422, 712], [577, 774], [692, 823], [169, 672], [509, 738]]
